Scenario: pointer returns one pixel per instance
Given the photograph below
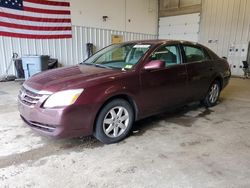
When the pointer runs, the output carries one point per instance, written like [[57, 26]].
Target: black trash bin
[[19, 68], [53, 63]]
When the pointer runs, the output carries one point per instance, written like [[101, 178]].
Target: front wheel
[[114, 121], [213, 94]]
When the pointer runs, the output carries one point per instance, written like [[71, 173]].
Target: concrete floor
[[193, 147]]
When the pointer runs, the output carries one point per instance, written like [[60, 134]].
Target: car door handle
[[182, 74], [194, 78], [211, 68]]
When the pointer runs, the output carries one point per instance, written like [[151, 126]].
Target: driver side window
[[168, 54]]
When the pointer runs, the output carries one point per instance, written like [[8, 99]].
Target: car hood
[[70, 78]]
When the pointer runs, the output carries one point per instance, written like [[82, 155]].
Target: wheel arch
[[217, 77], [220, 80], [125, 97]]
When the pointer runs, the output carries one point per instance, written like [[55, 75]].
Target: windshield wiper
[[102, 66], [91, 64], [97, 65]]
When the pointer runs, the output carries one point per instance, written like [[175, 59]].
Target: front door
[[166, 87]]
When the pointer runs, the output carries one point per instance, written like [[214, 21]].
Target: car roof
[[163, 41], [166, 41]]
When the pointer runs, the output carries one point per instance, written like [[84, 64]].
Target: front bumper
[[71, 121], [59, 123]]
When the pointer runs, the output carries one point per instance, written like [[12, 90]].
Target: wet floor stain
[[3, 93], [57, 148], [5, 130], [183, 121], [177, 117], [18, 136], [82, 143], [128, 170], [42, 162], [205, 155], [205, 113], [163, 156], [192, 143], [141, 126], [196, 142]]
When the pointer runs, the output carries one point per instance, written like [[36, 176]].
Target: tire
[[114, 121], [212, 95]]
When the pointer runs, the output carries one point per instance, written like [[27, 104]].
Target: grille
[[28, 97], [43, 127]]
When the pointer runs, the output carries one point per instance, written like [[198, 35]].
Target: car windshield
[[119, 56]]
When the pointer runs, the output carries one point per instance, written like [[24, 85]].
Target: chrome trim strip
[[42, 92], [29, 101], [23, 103], [30, 89], [42, 126]]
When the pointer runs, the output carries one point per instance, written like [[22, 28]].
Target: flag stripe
[[32, 23], [38, 28], [45, 6], [34, 32], [9, 34], [34, 14], [46, 11], [35, 19], [54, 3]]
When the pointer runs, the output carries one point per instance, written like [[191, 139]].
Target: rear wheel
[[213, 94], [114, 121]]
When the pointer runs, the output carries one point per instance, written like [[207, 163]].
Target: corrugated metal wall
[[224, 22], [67, 51]]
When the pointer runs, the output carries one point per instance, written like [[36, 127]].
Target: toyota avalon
[[120, 84]]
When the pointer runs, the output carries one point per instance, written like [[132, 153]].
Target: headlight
[[62, 98]]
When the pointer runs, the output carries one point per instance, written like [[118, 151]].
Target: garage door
[[183, 27]]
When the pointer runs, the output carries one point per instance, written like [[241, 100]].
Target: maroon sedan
[[120, 84]]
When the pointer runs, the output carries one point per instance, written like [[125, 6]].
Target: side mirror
[[155, 64]]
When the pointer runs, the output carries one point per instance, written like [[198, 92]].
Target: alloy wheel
[[214, 93], [116, 121]]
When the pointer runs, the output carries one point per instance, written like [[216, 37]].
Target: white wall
[[223, 23], [88, 26], [143, 14], [67, 51]]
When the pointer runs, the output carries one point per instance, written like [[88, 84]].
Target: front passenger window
[[168, 54]]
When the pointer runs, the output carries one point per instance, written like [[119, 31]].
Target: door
[[181, 27], [164, 87], [200, 70]]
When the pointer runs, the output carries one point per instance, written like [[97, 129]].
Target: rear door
[[164, 87], [200, 70]]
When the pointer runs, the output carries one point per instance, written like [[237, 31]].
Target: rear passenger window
[[194, 54]]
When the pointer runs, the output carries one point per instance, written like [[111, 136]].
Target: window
[[178, 7], [135, 55], [177, 4], [121, 56], [169, 54], [118, 54], [194, 54]]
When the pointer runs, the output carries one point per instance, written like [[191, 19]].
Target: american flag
[[36, 19]]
